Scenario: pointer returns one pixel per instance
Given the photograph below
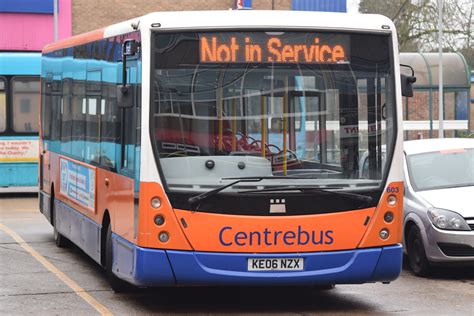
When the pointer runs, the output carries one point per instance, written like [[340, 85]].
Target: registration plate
[[275, 264]]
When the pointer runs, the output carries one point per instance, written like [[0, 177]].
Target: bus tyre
[[416, 253], [117, 284], [59, 239]]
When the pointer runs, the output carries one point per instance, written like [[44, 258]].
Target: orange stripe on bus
[[270, 234], [75, 40]]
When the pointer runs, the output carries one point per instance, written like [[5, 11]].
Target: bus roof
[[235, 20], [20, 63]]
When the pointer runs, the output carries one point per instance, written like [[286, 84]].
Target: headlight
[[449, 220]]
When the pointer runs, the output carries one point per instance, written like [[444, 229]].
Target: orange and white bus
[[223, 148]]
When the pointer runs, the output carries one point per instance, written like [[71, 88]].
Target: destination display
[[261, 47]]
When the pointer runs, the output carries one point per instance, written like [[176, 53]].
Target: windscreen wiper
[[198, 198], [354, 196]]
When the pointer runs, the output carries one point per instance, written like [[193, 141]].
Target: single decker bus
[[19, 111], [223, 148]]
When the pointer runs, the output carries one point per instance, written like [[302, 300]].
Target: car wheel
[[416, 253], [117, 284]]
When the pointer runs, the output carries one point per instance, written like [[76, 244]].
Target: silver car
[[439, 203]]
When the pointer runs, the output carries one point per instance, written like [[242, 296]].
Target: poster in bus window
[[18, 150], [78, 183]]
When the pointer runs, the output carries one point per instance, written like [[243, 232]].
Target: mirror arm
[[124, 68]]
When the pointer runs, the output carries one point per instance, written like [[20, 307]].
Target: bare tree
[[416, 22]]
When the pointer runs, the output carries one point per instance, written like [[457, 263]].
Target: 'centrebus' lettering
[[219, 49], [229, 237]]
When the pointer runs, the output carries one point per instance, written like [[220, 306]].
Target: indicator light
[[159, 220], [392, 200], [388, 217], [384, 233], [155, 202], [163, 237]]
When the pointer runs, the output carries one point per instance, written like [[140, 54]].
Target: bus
[[223, 148], [19, 111]]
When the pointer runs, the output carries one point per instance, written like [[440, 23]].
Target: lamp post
[[55, 9], [440, 74]]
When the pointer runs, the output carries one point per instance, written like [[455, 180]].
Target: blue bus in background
[[19, 115]]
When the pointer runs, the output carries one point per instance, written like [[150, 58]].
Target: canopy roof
[[426, 65]]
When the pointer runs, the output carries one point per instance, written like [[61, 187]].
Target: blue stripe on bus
[[154, 267], [20, 63]]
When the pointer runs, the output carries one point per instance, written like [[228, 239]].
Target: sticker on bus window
[[77, 182], [18, 150]]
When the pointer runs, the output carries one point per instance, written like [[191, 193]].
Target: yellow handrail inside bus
[[221, 123], [263, 123], [234, 124], [285, 100]]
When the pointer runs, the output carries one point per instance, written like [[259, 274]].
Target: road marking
[[48, 265]]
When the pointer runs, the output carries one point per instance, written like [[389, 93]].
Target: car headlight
[[449, 220]]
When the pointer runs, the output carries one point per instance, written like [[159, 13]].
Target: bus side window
[[79, 108], [109, 127], [3, 106], [129, 126], [93, 96], [25, 104], [128, 136], [56, 101], [66, 117]]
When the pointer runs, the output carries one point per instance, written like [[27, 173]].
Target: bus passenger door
[[46, 109], [127, 211]]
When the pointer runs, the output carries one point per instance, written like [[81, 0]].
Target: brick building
[[106, 12]]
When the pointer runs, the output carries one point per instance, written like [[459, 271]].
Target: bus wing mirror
[[125, 96], [130, 47], [407, 82]]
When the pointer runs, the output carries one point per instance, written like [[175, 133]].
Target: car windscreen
[[442, 169]]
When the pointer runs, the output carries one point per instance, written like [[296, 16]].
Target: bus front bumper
[[155, 267]]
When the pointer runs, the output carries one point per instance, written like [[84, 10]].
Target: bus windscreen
[[296, 108]]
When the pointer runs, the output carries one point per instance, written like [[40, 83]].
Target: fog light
[[392, 200], [384, 233], [159, 220], [388, 217], [155, 202], [163, 237]]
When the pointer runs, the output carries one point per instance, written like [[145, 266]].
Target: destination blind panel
[[274, 47]]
